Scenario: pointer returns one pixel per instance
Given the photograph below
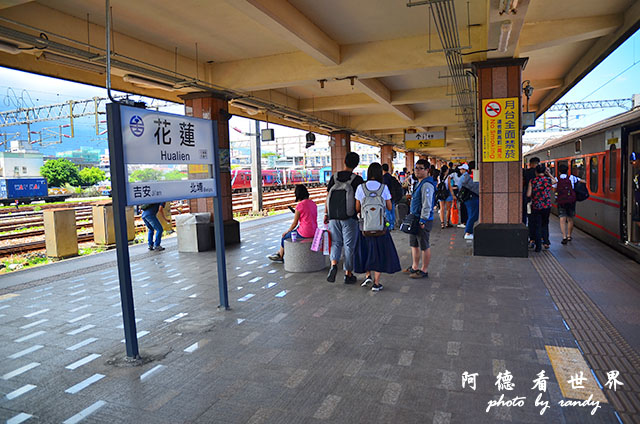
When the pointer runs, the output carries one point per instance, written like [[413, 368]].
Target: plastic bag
[[455, 217]]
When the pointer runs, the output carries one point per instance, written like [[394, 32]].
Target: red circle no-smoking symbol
[[492, 109]]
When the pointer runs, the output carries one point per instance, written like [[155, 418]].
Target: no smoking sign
[[492, 109]]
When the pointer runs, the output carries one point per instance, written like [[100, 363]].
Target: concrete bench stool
[[298, 257]]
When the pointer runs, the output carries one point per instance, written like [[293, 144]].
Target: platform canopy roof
[[373, 67]]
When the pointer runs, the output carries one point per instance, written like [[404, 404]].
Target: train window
[[578, 145], [593, 174], [613, 176], [604, 172], [577, 168]]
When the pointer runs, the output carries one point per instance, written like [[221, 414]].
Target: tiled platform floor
[[293, 348]]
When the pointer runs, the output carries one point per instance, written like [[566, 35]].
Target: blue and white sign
[[142, 192], [150, 137]]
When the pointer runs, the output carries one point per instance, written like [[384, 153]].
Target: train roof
[[621, 118]]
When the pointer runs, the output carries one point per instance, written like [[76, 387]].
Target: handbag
[[410, 224], [582, 193], [464, 194]]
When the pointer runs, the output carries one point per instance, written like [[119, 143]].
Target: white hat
[[464, 166]]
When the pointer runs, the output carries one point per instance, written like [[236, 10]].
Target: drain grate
[[602, 345]]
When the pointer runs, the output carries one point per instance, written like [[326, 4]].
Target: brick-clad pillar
[[409, 160], [500, 182], [207, 106], [386, 155], [340, 145]]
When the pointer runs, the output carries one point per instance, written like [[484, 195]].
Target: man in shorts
[[422, 203], [567, 212]]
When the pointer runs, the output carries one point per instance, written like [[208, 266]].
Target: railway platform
[[475, 342]]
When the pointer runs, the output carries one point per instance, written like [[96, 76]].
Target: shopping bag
[[316, 244], [454, 213], [326, 242]]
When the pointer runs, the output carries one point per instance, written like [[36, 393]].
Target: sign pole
[[218, 223], [119, 196]]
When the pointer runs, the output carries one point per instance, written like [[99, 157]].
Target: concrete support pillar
[[500, 182], [386, 155], [409, 160], [256, 172], [340, 144], [207, 106]]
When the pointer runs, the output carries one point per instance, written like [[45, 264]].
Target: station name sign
[[422, 140], [151, 137], [157, 138]]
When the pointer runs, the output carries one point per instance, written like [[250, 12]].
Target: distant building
[[83, 157], [20, 162]]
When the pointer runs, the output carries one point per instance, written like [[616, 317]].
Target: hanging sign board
[[421, 140], [612, 138], [158, 138], [500, 130]]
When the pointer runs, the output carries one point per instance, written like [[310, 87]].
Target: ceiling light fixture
[[250, 109], [508, 7], [9, 48], [74, 63], [505, 33], [140, 81]]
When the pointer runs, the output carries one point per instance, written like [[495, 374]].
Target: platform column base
[[231, 233], [506, 240]]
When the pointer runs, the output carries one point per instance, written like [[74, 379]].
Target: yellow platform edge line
[[567, 362]]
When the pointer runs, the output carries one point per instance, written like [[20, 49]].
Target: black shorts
[[568, 210], [422, 238]]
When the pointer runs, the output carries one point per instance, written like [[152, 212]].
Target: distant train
[[280, 179], [607, 156]]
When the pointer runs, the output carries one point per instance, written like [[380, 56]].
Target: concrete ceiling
[[278, 54]]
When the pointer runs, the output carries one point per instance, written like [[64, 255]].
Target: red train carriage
[[605, 154]]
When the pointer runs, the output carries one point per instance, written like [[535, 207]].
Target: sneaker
[[366, 282], [409, 270], [350, 279], [150, 248], [564, 241], [468, 236], [532, 245], [461, 226], [276, 258], [377, 288], [419, 274], [546, 246], [158, 248], [331, 277]]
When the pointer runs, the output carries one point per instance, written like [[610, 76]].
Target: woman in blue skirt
[[376, 253]]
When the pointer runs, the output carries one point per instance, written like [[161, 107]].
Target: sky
[[618, 76]]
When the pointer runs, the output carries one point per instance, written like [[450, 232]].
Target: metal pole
[[118, 187], [256, 172], [219, 224]]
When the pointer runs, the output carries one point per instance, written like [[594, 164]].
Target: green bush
[[60, 172]]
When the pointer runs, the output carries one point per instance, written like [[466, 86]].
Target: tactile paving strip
[[602, 345]]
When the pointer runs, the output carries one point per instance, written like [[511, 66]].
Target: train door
[[633, 190]]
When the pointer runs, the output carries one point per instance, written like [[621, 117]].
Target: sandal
[[546, 246], [419, 274], [564, 241], [569, 238], [276, 258], [442, 226]]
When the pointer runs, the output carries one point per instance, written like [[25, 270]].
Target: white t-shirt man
[[372, 186], [572, 178]]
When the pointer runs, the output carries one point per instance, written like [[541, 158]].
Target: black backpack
[[441, 191], [395, 188]]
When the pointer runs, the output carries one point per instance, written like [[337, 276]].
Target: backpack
[[341, 199], [565, 194], [372, 212], [441, 191], [395, 188]]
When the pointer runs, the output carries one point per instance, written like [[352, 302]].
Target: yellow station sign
[[501, 130], [422, 140]]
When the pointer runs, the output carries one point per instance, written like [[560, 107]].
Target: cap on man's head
[[464, 166]]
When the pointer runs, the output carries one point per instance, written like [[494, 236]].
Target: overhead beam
[[350, 101], [541, 35], [547, 84], [375, 89], [289, 23], [5, 4], [418, 95], [365, 60], [431, 118], [601, 49]]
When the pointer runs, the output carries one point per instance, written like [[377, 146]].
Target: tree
[[175, 175], [59, 172], [92, 175]]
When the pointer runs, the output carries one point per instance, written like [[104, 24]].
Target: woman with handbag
[[374, 251]]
